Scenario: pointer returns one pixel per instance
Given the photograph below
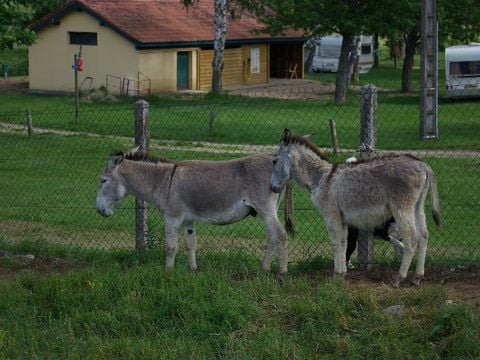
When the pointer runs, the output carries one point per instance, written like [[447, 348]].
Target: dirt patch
[[13, 264], [14, 85], [286, 89], [462, 284]]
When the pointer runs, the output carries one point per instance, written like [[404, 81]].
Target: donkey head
[[281, 173], [112, 189]]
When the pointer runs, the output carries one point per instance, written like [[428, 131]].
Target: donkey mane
[[297, 139], [376, 158], [141, 155]]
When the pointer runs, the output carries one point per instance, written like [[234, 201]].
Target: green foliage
[[14, 18], [17, 59]]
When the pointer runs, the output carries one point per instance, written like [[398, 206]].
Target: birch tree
[[220, 33]]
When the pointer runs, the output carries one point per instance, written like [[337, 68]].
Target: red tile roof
[[157, 22]]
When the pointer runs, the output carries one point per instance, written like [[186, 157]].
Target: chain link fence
[[50, 163]]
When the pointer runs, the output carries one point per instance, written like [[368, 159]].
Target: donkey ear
[[115, 159], [286, 137], [132, 152]]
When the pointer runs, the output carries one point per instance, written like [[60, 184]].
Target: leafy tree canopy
[[15, 17]]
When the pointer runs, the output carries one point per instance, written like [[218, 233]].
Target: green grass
[[257, 121], [115, 308], [49, 184], [49, 181]]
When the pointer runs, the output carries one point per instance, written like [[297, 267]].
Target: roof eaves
[[56, 15], [235, 42]]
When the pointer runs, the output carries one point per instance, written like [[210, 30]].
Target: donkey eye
[[102, 180], [274, 161]]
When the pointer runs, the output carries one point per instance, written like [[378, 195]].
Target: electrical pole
[[429, 71]]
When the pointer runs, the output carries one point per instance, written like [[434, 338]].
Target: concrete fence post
[[142, 139], [368, 140]]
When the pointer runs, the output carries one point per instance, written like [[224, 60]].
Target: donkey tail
[[289, 222], [434, 197]]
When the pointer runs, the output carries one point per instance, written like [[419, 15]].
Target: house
[[132, 46]]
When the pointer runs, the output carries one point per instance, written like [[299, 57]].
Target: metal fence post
[[142, 139], [368, 140]]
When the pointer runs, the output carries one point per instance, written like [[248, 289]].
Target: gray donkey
[[214, 192], [363, 196]]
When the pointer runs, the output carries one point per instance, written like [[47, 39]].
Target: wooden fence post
[[333, 135], [29, 123], [211, 123], [142, 139], [368, 140]]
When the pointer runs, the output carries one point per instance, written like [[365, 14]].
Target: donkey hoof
[[265, 268], [397, 279], [338, 275], [417, 279]]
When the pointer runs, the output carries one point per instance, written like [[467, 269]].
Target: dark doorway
[[182, 70], [285, 56]]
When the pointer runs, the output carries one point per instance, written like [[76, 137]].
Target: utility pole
[[429, 71]]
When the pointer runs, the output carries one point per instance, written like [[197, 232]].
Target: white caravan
[[462, 70], [327, 53]]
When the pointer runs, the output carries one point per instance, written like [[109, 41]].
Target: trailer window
[[465, 68], [366, 49]]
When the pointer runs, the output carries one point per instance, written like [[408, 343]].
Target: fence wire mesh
[[50, 170]]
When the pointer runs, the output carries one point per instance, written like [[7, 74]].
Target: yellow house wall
[[51, 56], [161, 67]]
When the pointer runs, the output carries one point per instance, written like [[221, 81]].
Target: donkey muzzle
[[275, 188]]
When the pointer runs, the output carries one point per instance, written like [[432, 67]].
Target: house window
[[83, 38], [255, 60]]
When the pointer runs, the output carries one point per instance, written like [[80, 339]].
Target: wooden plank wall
[[236, 70], [232, 71]]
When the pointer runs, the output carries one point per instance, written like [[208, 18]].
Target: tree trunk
[[220, 31], [411, 42], [343, 75], [309, 60], [376, 51]]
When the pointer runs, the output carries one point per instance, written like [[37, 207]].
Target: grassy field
[[49, 184], [85, 294], [107, 306]]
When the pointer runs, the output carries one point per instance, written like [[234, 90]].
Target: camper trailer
[[462, 70], [327, 53]]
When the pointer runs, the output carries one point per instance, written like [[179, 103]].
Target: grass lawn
[[49, 183], [107, 306]]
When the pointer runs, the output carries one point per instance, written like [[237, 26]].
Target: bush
[[17, 59]]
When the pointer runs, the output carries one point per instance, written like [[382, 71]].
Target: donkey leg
[[422, 232], [191, 245], [407, 229], [276, 236], [338, 237], [171, 245]]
